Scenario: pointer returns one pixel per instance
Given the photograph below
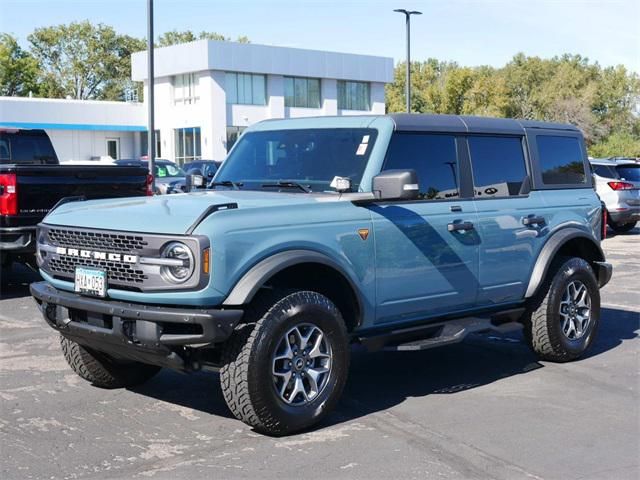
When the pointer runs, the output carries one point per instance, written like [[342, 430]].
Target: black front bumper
[[145, 333]]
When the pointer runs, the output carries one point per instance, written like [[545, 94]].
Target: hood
[[172, 214]]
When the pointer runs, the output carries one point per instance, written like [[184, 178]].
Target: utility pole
[[151, 132], [407, 14]]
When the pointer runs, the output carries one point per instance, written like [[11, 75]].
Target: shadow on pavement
[[379, 381], [14, 283], [199, 391]]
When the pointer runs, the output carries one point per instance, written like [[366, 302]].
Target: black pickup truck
[[32, 182]]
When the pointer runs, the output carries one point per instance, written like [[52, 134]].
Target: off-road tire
[[101, 370], [246, 377], [542, 322], [622, 227]]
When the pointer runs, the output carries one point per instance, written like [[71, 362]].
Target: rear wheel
[[102, 370], [622, 227], [285, 369], [563, 318]]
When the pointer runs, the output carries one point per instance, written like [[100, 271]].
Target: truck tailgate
[[40, 187]]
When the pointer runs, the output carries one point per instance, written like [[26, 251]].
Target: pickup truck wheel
[[563, 319], [622, 227], [285, 369], [103, 371]]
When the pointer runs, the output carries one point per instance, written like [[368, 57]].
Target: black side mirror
[[194, 181], [396, 185]]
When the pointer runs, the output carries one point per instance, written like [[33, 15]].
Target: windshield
[[309, 157], [629, 172], [164, 170]]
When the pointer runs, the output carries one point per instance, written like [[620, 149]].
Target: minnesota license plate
[[91, 281]]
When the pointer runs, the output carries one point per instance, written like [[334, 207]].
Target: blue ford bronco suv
[[399, 232]]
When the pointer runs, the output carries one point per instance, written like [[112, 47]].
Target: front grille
[[116, 271], [128, 257], [112, 242]]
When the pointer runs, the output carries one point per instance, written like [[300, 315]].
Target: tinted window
[[604, 171], [629, 172], [433, 157], [26, 147], [560, 160], [498, 166]]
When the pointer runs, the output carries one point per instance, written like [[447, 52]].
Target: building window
[[144, 144], [187, 144], [185, 89], [498, 166], [246, 88], [301, 92], [233, 133], [113, 148], [353, 95]]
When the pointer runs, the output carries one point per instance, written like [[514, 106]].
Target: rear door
[[426, 264], [511, 219]]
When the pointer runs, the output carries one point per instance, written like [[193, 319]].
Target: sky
[[470, 32]]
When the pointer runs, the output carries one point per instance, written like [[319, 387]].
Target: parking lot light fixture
[[407, 14]]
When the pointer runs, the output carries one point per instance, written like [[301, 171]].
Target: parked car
[[400, 232], [169, 177], [206, 168], [618, 186], [32, 181]]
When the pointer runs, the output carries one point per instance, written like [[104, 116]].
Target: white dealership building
[[206, 93]]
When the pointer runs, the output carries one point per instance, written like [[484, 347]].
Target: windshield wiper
[[287, 184], [227, 183]]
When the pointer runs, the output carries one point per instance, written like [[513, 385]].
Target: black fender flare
[[254, 279], [549, 251]]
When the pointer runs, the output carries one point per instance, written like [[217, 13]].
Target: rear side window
[[604, 171], [561, 161], [630, 173], [433, 157], [498, 166]]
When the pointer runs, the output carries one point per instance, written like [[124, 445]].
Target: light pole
[[151, 132], [407, 14]]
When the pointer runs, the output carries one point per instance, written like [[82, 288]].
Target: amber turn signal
[[206, 260]]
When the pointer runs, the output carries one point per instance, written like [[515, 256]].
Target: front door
[[426, 250]]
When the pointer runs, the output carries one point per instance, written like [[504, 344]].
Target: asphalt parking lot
[[481, 409]]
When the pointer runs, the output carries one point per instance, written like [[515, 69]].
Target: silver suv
[[618, 186]]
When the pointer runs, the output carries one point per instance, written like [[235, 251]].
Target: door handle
[[456, 226], [533, 220]]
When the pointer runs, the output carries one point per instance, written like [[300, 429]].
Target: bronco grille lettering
[[96, 255]]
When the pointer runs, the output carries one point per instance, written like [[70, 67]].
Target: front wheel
[[102, 370], [563, 318], [285, 369]]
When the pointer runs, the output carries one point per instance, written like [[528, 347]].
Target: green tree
[[618, 144], [174, 37], [83, 61], [18, 69]]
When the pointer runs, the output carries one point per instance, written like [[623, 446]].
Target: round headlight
[[184, 266]]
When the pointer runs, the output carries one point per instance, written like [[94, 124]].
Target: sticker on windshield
[[365, 139], [362, 149]]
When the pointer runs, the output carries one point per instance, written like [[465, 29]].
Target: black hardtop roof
[[470, 124]]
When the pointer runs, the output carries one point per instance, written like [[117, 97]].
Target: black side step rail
[[435, 334], [211, 209]]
